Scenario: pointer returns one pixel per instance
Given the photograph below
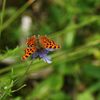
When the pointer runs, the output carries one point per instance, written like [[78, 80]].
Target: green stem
[[76, 26], [16, 15], [2, 14], [19, 88]]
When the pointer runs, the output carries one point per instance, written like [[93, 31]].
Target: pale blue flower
[[43, 55]]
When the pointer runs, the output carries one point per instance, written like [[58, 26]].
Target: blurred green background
[[74, 73]]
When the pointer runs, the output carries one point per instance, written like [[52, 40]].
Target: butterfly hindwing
[[28, 52], [48, 43]]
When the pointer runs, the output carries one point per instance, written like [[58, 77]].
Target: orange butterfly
[[39, 45]]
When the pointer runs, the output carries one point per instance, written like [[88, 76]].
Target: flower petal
[[47, 59], [43, 54], [45, 51], [50, 49], [34, 55]]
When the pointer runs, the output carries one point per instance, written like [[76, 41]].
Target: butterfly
[[39, 45]]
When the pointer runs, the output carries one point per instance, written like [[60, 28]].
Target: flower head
[[43, 55]]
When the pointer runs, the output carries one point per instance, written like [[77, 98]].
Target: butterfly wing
[[28, 52], [31, 41], [48, 43]]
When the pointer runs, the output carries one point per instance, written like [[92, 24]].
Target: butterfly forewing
[[48, 43], [31, 41]]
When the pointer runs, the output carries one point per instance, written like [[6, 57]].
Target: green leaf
[[85, 96], [91, 71], [59, 96], [51, 84]]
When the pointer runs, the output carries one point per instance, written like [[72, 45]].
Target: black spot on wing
[[54, 47], [29, 53], [50, 46]]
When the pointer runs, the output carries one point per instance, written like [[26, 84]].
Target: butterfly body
[[36, 44]]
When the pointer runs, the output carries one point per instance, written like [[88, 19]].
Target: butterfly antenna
[[34, 35], [26, 40], [45, 35], [38, 35]]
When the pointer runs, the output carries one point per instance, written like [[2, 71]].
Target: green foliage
[[74, 73]]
